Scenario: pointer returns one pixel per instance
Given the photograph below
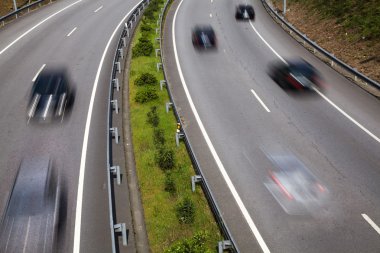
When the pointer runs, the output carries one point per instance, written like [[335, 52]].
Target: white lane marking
[[27, 235], [211, 1], [223, 171], [98, 9], [210, 15], [349, 117], [266, 43], [38, 72], [78, 214], [34, 27], [68, 35], [370, 221], [259, 99], [323, 96]]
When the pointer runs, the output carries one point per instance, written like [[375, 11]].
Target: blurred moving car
[[294, 187], [31, 219], [244, 12], [296, 74], [51, 96], [203, 37]]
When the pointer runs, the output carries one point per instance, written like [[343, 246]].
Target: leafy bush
[[143, 48], [170, 184], [146, 79], [145, 95], [186, 211], [158, 137], [153, 118], [195, 244], [165, 158], [145, 27]]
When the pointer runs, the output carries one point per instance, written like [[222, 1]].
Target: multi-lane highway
[[235, 115], [73, 34]]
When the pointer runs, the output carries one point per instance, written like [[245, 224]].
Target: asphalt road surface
[[73, 34], [240, 117]]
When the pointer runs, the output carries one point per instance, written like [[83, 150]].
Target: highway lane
[[343, 156], [72, 34]]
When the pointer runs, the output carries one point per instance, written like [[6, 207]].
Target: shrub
[[186, 211], [146, 79], [143, 48], [145, 95], [145, 27], [158, 137], [170, 184], [195, 244], [153, 118], [165, 158]]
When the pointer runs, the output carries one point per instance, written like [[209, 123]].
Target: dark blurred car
[[51, 96], [244, 12], [30, 222], [294, 187], [203, 37], [297, 74]]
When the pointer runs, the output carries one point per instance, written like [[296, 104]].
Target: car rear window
[[48, 84]]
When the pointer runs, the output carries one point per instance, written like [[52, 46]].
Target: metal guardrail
[[16, 12], [113, 170], [331, 57], [229, 243]]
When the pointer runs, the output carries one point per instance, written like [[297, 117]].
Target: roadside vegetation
[[362, 17], [177, 219], [6, 6]]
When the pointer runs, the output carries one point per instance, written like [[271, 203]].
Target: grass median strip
[[176, 218]]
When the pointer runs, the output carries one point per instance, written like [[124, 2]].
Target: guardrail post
[[168, 106], [116, 84], [223, 245], [115, 106], [158, 22], [158, 39], [134, 17], [115, 170], [131, 23], [115, 134], [159, 65], [124, 41], [157, 51], [178, 135], [162, 83], [157, 29], [121, 228], [118, 66], [139, 11], [195, 179], [121, 53]]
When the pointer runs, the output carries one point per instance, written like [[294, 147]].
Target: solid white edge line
[[230, 185], [98, 9], [38, 72], [349, 117], [34, 27], [68, 35], [321, 94], [78, 214], [266, 43], [259, 99], [370, 222]]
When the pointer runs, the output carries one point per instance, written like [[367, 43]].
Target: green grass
[[363, 17], [159, 206]]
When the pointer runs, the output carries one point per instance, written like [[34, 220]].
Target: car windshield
[[301, 69], [48, 84]]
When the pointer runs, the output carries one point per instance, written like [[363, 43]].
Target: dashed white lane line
[[69, 34], [34, 27], [219, 163], [370, 222], [98, 9], [210, 15], [321, 94], [259, 99], [82, 168], [38, 72]]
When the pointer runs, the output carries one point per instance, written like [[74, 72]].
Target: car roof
[[48, 82]]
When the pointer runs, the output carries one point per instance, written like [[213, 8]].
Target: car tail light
[[294, 82], [282, 187]]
